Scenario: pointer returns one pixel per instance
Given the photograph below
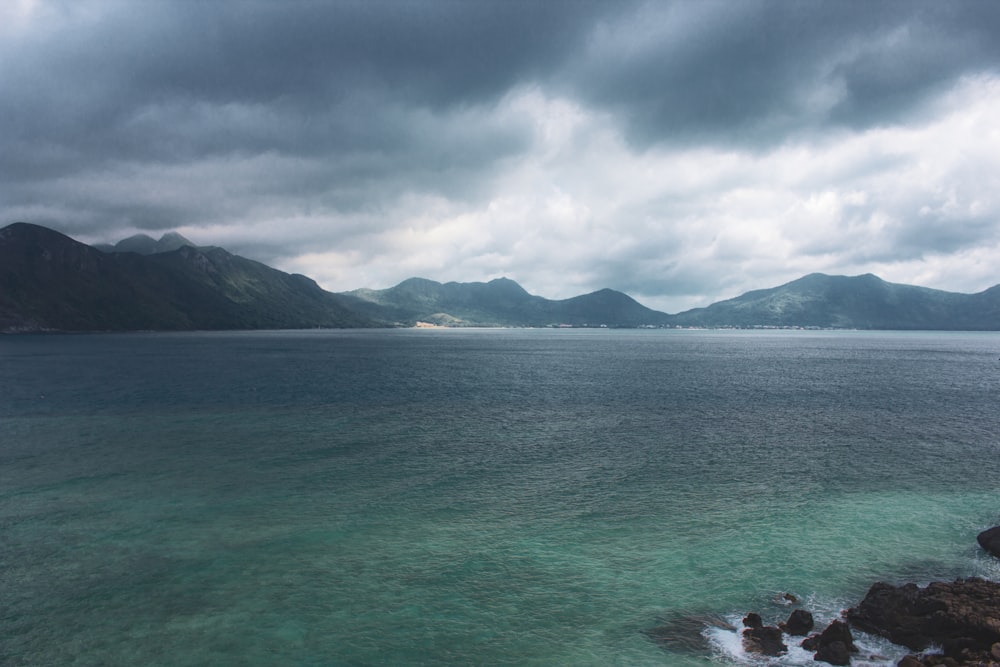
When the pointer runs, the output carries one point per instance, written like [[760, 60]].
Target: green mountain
[[500, 302], [49, 282], [858, 302]]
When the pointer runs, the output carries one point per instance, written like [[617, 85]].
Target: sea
[[479, 496]]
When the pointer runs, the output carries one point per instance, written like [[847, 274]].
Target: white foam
[[727, 647]]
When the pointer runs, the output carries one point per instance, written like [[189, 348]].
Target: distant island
[[49, 282]]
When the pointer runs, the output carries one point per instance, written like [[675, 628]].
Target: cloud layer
[[682, 152]]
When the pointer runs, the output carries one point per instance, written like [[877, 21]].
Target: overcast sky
[[681, 152]]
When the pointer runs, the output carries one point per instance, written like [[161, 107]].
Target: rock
[[960, 647], [990, 540], [995, 651], [940, 661], [838, 631], [936, 660], [964, 614], [752, 620], [765, 640], [799, 623], [835, 653], [823, 644]]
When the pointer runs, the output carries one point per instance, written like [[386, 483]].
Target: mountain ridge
[[50, 282], [851, 302], [499, 302]]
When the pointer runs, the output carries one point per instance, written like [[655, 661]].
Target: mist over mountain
[[50, 282]]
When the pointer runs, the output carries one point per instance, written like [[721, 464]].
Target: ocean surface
[[478, 497]]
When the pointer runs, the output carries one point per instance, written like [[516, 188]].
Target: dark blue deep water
[[477, 497]]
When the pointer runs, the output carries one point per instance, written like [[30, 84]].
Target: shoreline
[[942, 624]]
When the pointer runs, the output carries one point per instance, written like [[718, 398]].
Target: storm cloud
[[682, 152]]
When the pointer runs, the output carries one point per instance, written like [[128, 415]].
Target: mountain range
[[500, 302], [50, 282], [857, 302]]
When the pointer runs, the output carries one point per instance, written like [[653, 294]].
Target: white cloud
[[582, 210]]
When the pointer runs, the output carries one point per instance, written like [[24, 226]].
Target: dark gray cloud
[[377, 95], [108, 70], [671, 149], [175, 81], [762, 72]]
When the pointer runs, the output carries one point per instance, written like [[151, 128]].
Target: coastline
[[941, 624]]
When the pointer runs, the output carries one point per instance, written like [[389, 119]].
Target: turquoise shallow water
[[476, 497]]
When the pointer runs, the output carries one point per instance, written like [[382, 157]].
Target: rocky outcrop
[[799, 624], [990, 540], [962, 617], [938, 660], [762, 639], [834, 645], [834, 653]]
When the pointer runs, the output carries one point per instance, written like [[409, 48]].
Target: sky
[[681, 152]]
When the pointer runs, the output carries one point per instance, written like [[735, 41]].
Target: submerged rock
[[963, 616], [686, 633], [990, 540]]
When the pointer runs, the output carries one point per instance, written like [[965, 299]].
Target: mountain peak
[[144, 244], [64, 285], [26, 230], [845, 302], [172, 241], [508, 286], [418, 282]]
